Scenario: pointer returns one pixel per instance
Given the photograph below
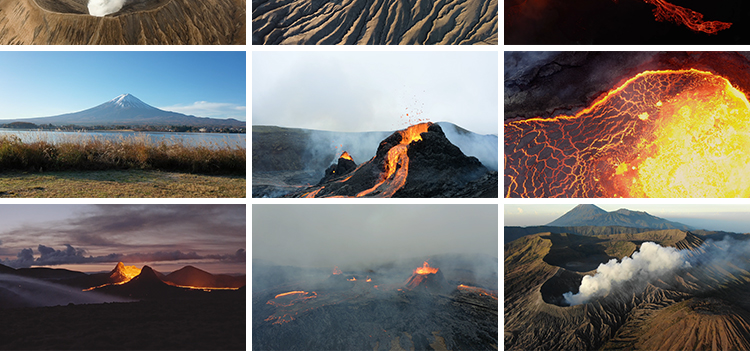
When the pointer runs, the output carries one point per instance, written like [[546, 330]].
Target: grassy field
[[120, 183]]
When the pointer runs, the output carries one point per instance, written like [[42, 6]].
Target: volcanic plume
[[418, 161], [661, 133]]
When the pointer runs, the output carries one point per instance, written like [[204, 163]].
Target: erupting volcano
[[663, 133], [418, 161], [427, 278]]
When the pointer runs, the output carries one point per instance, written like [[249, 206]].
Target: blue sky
[[48, 83]]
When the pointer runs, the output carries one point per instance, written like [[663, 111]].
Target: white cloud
[[210, 109]]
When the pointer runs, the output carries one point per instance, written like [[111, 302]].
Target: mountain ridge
[[127, 109], [592, 215]]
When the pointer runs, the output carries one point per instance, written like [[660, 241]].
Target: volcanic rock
[[342, 167], [375, 22], [674, 312], [138, 22], [428, 282], [436, 168]]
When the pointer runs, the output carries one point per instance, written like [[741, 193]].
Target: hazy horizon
[[375, 91]]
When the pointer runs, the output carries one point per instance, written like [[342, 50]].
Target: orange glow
[[426, 269], [289, 298], [312, 193], [666, 11], [346, 156], [478, 290], [122, 272], [397, 161], [336, 270], [665, 133], [368, 280], [352, 279]]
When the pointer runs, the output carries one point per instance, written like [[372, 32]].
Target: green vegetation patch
[[120, 183]]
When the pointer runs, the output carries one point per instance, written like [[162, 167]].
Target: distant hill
[[591, 215], [128, 110], [192, 276]]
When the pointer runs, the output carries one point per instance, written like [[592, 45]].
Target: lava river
[[664, 133]]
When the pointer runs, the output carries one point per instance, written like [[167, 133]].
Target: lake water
[[220, 140]]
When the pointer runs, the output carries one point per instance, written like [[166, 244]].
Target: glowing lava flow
[[346, 156], [336, 270], [666, 133], [665, 11], [426, 269], [120, 275], [397, 161], [477, 290], [289, 298]]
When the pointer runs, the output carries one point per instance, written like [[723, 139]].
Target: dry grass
[[137, 152]]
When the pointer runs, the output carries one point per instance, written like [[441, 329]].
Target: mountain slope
[[171, 22], [590, 215], [127, 109], [192, 276]]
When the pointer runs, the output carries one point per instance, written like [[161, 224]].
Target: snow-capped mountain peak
[[128, 100]]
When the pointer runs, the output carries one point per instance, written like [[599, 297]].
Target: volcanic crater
[[706, 299], [81, 6]]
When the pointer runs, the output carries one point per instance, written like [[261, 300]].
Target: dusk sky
[[718, 217], [375, 91], [95, 237], [48, 83], [348, 235]]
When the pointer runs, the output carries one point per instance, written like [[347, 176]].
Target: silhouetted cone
[[342, 167], [192, 276], [146, 277]]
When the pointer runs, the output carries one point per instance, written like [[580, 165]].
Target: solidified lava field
[[661, 133]]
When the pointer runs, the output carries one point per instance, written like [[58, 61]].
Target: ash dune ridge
[[375, 22]]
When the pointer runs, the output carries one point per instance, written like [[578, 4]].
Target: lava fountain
[[663, 133]]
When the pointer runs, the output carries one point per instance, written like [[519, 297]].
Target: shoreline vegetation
[[28, 126], [137, 152]]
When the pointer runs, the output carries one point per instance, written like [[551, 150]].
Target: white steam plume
[[649, 263], [104, 7]]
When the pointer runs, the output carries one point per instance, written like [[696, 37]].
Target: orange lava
[[289, 298], [352, 279], [397, 161], [346, 156], [478, 290], [665, 133], [312, 193], [666, 11], [336, 270], [426, 269]]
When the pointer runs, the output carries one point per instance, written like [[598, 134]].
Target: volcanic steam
[[105, 7], [648, 264], [663, 133]]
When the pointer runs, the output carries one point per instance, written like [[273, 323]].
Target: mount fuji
[[128, 110]]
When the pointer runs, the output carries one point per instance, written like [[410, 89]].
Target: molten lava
[[426, 269], [665, 133], [665, 11], [289, 298], [346, 156], [397, 161], [477, 290], [352, 279], [336, 270]]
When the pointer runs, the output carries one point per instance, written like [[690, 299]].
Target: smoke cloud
[[648, 264], [105, 7], [21, 291]]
